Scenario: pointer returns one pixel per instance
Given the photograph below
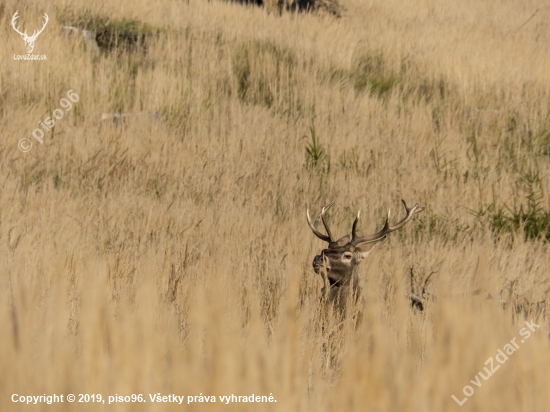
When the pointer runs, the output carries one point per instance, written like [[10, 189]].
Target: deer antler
[[24, 34], [313, 226], [13, 21], [356, 240], [37, 32]]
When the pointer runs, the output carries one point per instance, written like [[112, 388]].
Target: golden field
[[170, 254]]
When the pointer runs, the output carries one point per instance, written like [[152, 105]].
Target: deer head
[[29, 40], [337, 264]]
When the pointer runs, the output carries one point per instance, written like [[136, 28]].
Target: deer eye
[[348, 256]]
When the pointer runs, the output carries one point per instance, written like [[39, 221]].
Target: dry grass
[[173, 256]]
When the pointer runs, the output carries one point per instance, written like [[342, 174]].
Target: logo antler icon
[[29, 40]]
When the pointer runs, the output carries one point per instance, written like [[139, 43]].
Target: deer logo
[[338, 263], [29, 40]]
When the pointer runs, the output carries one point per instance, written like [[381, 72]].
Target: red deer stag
[[338, 263]]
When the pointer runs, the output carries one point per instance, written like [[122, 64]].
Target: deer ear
[[364, 251]]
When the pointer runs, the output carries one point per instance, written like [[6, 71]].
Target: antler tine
[[327, 207], [410, 213], [328, 237], [46, 20], [387, 228], [37, 32], [354, 226], [14, 21], [314, 230]]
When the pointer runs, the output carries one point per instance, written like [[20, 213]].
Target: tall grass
[[173, 256]]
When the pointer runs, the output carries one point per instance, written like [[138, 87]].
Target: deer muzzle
[[320, 263]]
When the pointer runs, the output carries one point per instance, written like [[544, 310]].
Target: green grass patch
[[529, 218], [263, 72], [111, 34]]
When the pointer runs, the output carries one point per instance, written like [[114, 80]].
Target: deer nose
[[318, 262]]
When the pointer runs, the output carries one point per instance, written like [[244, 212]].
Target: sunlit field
[[167, 252]]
